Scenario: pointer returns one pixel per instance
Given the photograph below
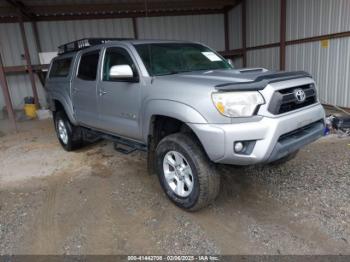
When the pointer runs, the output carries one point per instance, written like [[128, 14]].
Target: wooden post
[[29, 63], [6, 93], [244, 32], [283, 28]]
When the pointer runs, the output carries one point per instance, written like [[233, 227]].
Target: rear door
[[84, 88], [119, 100]]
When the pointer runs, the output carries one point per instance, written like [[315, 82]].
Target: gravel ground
[[98, 201]]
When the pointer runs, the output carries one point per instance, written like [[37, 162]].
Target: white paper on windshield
[[211, 56]]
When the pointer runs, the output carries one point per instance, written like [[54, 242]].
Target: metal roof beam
[[133, 7], [14, 19], [21, 9], [152, 6]]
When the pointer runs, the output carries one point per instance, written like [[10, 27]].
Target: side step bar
[[124, 149], [126, 146], [122, 145]]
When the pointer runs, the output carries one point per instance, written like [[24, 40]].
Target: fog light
[[238, 147]]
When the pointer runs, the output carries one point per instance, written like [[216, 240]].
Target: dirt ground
[[98, 201]]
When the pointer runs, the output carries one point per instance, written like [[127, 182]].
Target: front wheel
[[185, 173]]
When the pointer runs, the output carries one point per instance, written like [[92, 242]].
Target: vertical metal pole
[[6, 92], [226, 29], [244, 32], [283, 28], [36, 36], [29, 63], [134, 24]]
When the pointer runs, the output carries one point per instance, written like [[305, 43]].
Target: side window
[[88, 66], [116, 56], [60, 67]]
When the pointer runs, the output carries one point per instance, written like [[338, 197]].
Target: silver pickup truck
[[184, 104]]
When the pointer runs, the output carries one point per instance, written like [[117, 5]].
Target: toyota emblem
[[299, 95]]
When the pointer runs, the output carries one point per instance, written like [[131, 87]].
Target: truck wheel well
[[162, 126], [58, 106]]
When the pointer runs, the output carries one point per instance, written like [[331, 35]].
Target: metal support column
[[244, 32], [283, 28], [36, 36], [226, 29], [29, 63], [6, 93], [134, 24]]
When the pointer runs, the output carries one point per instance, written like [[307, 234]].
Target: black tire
[[206, 183], [74, 135], [285, 159]]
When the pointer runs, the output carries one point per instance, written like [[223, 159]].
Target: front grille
[[284, 100]]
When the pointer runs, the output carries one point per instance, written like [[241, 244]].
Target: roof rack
[[85, 43]]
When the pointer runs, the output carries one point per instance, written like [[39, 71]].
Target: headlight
[[237, 104]]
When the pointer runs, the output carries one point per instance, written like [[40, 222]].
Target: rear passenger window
[[60, 67], [88, 66]]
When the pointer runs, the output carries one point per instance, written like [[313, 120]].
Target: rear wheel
[[185, 173], [69, 136]]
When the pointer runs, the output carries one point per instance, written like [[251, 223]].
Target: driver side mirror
[[121, 72]]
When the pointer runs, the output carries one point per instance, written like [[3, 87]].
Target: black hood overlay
[[261, 81]]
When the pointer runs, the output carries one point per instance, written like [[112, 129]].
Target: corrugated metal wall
[[235, 27], [238, 62], [207, 29], [51, 35], [329, 66], [263, 25], [267, 58], [307, 18], [235, 33], [10, 44], [11, 48], [263, 20]]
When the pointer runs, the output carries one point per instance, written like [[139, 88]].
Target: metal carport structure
[[278, 34]]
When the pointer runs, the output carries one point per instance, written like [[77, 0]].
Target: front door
[[119, 99], [84, 89]]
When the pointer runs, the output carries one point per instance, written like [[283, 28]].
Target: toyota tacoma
[[184, 104]]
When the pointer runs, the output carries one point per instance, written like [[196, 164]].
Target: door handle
[[101, 93]]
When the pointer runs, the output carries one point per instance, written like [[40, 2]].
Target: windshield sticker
[[211, 56]]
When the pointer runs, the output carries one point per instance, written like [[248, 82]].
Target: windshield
[[173, 58]]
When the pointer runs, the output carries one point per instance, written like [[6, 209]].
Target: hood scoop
[[252, 70]]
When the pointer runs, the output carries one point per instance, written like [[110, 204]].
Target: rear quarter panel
[[59, 89]]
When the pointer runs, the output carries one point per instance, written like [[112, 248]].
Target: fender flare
[[169, 108], [68, 107]]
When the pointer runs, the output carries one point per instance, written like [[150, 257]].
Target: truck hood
[[233, 79]]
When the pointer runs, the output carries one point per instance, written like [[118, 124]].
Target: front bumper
[[274, 137]]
